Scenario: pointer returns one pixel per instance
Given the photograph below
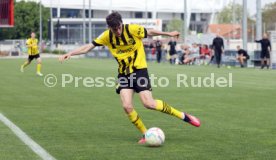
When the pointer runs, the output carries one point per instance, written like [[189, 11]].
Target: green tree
[[226, 17], [226, 14], [175, 25], [268, 16], [26, 19]]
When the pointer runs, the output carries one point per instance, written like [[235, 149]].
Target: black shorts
[[31, 57], [138, 81], [172, 52], [265, 54]]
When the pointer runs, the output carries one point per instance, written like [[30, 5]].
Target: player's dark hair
[[114, 20]]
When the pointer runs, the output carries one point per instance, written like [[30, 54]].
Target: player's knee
[[128, 107], [149, 104]]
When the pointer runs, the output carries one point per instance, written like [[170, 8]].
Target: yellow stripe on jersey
[[128, 49]]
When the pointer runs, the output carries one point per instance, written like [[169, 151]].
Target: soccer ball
[[154, 137]]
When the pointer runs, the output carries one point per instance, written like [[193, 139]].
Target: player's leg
[[207, 58], [211, 59], [186, 59], [217, 58], [38, 66], [262, 60], [160, 56], [126, 99], [202, 59], [194, 60], [174, 57], [267, 63], [242, 58], [26, 63], [262, 63], [170, 54], [159, 105], [238, 59], [171, 59], [159, 52], [268, 60]]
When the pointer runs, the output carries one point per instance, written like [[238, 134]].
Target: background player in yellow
[[125, 44], [33, 52]]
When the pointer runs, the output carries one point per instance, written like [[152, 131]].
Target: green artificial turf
[[88, 123]]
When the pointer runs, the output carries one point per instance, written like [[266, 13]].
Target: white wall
[[99, 13]]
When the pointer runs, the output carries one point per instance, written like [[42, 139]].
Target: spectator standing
[[172, 43], [265, 52], [158, 45], [218, 47]]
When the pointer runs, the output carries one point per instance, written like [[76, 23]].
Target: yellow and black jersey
[[127, 49], [32, 44]]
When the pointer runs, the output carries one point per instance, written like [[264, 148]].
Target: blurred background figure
[[194, 52], [172, 51], [242, 56], [218, 47], [265, 52], [187, 56], [152, 51], [205, 54], [158, 45]]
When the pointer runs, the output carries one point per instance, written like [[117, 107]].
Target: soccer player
[[242, 56], [218, 47], [125, 44], [32, 45], [265, 52]]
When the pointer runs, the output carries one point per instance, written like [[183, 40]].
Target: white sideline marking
[[26, 139]]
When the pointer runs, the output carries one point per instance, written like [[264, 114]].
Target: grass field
[[80, 123]]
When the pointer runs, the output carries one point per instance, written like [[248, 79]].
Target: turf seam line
[[36, 148]]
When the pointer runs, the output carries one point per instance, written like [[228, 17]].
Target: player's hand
[[174, 34], [64, 57]]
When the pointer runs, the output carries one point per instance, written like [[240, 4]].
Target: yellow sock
[[25, 64], [165, 108], [136, 120], [38, 68]]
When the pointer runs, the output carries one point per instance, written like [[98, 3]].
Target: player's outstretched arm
[[152, 32], [81, 50]]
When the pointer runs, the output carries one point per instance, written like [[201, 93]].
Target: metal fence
[[12, 47], [18, 48]]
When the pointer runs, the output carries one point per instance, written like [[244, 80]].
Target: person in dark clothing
[[265, 52], [242, 56], [158, 45], [172, 44], [218, 47]]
